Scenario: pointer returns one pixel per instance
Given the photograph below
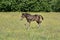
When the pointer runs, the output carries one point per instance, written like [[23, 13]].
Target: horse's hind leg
[[39, 23]]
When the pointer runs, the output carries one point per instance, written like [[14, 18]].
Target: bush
[[30, 5]]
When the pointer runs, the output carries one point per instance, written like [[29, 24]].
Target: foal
[[29, 18]]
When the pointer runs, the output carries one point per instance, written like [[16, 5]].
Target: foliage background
[[30, 5]]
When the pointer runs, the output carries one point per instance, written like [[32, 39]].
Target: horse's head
[[22, 16]]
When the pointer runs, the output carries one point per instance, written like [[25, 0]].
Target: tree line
[[30, 5]]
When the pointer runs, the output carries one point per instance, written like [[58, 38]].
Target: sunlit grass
[[12, 28]]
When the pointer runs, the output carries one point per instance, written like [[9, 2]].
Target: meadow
[[12, 28]]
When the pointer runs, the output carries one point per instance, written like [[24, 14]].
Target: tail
[[42, 17]]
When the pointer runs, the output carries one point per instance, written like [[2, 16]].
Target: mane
[[25, 14]]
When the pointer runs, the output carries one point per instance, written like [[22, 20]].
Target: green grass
[[12, 28]]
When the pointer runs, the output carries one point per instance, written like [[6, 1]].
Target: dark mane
[[25, 14]]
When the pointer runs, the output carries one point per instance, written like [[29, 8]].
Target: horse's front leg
[[27, 25]]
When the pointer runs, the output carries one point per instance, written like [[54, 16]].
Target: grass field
[[12, 28]]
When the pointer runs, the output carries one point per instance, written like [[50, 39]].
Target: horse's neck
[[27, 15]]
